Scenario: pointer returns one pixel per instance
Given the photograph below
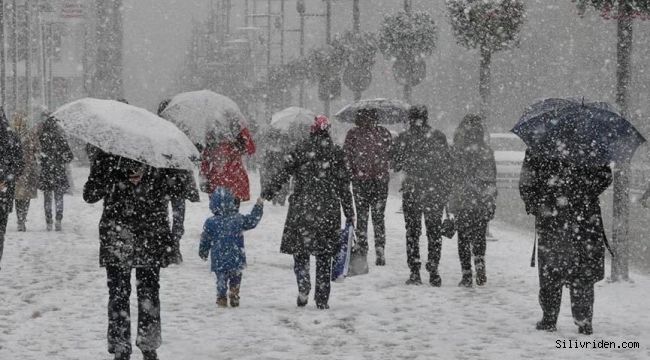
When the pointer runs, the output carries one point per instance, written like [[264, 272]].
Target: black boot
[[586, 329], [414, 278], [434, 279], [479, 265], [466, 280], [545, 325], [380, 259], [302, 300], [122, 356], [149, 355]]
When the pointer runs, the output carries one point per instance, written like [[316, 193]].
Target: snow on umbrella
[[389, 111], [127, 131], [582, 133], [292, 117], [197, 113]]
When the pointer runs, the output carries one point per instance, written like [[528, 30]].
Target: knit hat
[[321, 123]]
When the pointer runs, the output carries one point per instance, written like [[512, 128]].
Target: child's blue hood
[[222, 202]]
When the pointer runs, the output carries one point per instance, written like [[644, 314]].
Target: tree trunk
[[621, 205], [484, 83], [108, 79], [14, 60], [356, 16], [408, 89]]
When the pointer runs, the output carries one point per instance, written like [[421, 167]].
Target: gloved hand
[[349, 221], [203, 256]]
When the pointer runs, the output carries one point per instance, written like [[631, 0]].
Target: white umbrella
[[290, 117], [198, 112], [127, 131]]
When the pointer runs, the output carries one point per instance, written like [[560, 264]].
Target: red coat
[[222, 165]]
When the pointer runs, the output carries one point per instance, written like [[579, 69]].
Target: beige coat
[[26, 186]]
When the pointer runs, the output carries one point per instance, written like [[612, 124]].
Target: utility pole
[[28, 60], [407, 5], [356, 16], [3, 69], [300, 7], [108, 76], [14, 60], [328, 39]]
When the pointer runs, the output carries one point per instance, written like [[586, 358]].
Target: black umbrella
[[585, 134]]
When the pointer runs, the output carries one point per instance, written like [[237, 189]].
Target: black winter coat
[[321, 189], [564, 200], [11, 163], [55, 154], [474, 181], [424, 156], [134, 228]]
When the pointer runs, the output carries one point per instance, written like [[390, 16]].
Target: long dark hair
[[470, 133]]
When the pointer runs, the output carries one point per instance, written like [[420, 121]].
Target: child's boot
[[234, 296], [222, 301]]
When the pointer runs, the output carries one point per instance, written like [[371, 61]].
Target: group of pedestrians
[[33, 157], [458, 180]]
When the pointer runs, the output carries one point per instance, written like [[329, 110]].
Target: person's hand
[[3, 186], [203, 256], [260, 201], [349, 221]]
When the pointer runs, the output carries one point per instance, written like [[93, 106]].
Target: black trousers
[[22, 208], [370, 198], [4, 215], [58, 204], [119, 318], [323, 276], [472, 228], [416, 206], [551, 282]]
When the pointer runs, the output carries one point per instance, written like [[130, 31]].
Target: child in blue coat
[[223, 239]]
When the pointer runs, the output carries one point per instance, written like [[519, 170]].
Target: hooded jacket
[[222, 165], [367, 150], [223, 233]]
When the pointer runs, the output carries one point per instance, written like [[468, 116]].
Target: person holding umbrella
[[133, 148], [367, 154], [313, 225], [11, 167], [423, 154], [571, 145]]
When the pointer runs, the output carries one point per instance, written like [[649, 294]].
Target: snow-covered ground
[[53, 301]]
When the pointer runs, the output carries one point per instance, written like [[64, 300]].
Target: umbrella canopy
[[389, 111], [292, 117], [197, 113], [127, 131], [582, 133]]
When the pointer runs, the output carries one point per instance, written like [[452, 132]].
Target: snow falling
[[326, 179]]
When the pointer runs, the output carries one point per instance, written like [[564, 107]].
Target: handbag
[[341, 261], [358, 259], [448, 227]]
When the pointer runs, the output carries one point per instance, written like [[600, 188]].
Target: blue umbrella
[[578, 132]]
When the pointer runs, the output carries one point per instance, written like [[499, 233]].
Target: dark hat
[[418, 112]]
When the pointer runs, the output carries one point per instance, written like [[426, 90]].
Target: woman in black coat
[[55, 154], [11, 167], [473, 196], [313, 225], [564, 200], [134, 233]]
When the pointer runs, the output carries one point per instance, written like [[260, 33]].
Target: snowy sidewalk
[[53, 301]]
